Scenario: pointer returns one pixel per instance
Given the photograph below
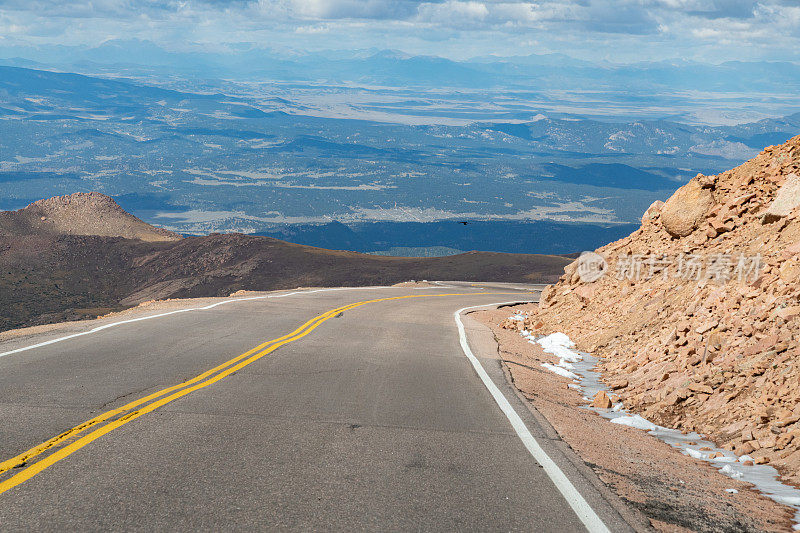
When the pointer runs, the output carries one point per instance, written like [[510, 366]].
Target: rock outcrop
[[697, 322]]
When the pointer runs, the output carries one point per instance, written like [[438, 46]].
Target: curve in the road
[[127, 413], [187, 310]]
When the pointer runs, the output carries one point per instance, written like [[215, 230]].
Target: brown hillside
[[49, 277], [80, 214], [710, 352]]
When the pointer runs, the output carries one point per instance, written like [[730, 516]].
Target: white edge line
[[581, 507], [121, 322]]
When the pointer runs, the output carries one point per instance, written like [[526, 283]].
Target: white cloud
[[348, 9], [621, 30], [452, 12], [313, 29]]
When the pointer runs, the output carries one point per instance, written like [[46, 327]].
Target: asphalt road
[[372, 419]]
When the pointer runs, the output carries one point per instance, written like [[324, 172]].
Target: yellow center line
[[37, 450], [177, 391]]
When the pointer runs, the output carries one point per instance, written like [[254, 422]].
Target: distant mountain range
[[394, 68], [216, 156]]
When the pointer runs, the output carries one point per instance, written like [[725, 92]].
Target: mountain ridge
[[49, 275]]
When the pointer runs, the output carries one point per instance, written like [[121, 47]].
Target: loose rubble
[[716, 353]]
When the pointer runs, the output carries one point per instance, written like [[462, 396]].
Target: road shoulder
[[658, 484], [616, 515]]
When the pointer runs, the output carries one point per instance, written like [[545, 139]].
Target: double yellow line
[[122, 415]]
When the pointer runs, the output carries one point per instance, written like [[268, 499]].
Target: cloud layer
[[619, 30]]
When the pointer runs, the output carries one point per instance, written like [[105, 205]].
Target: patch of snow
[[765, 478], [634, 421], [556, 339], [560, 371], [732, 491], [565, 364], [697, 454], [561, 346], [729, 471], [789, 500]]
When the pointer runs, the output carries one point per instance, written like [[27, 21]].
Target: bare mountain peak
[[79, 200], [91, 213]]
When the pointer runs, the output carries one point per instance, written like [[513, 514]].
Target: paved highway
[[352, 409]]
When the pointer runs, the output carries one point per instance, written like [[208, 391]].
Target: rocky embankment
[[697, 314]]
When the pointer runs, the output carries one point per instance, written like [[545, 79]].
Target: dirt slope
[[710, 351], [80, 214]]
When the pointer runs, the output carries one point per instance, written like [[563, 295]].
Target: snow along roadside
[[580, 367]]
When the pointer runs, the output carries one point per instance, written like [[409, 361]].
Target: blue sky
[[612, 30]]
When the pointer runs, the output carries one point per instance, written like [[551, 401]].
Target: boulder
[[653, 211], [701, 387], [720, 227], [545, 297], [601, 400], [787, 313], [785, 201], [571, 275], [686, 209], [740, 200], [706, 182]]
